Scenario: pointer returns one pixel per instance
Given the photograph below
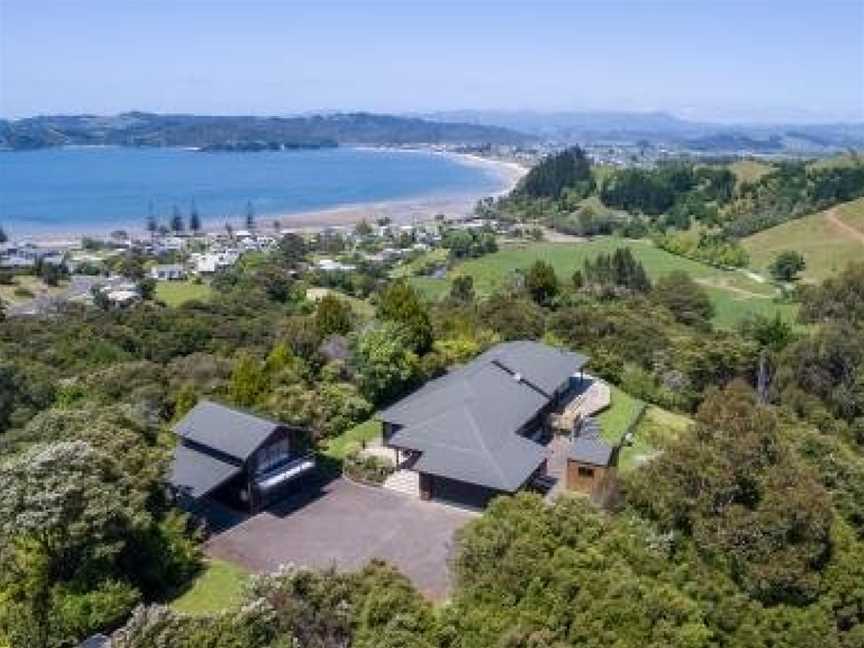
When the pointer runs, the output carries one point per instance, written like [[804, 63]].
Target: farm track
[[832, 217]]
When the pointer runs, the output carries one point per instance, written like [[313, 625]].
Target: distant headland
[[245, 133]]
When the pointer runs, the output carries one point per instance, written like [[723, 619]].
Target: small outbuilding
[[591, 462]]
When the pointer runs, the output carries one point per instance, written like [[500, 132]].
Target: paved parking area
[[347, 525]]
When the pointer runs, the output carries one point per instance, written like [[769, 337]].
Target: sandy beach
[[411, 210]]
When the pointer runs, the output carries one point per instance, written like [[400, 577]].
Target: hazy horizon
[[765, 62]]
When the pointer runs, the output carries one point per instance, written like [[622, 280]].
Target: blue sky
[[703, 59]]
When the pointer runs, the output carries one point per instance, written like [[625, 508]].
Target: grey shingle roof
[[225, 429], [466, 422], [195, 473], [590, 450]]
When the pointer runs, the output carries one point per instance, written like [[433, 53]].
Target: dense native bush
[[568, 169], [688, 302], [790, 190], [717, 250], [78, 560], [401, 304], [618, 272], [740, 492], [385, 365], [822, 374], [372, 608], [513, 317]]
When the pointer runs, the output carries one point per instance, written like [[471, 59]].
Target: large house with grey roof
[[481, 429], [236, 457]]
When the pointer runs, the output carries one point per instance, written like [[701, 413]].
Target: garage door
[[459, 493]]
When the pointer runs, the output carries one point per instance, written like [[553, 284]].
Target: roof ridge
[[240, 410], [521, 378], [489, 454]]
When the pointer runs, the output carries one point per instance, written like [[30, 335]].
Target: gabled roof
[[466, 422], [225, 429], [196, 473]]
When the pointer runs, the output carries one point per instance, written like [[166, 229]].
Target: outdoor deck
[[591, 397]]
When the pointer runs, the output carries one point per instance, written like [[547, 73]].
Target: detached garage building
[[479, 431], [239, 458]]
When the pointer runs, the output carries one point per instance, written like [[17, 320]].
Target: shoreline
[[408, 210], [400, 211]]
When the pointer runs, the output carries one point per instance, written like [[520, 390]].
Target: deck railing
[[286, 471]]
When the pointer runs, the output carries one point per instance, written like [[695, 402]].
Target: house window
[[585, 472], [272, 455]]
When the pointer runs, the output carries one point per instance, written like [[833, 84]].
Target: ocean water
[[97, 189]]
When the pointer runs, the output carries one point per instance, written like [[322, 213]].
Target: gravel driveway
[[347, 525]]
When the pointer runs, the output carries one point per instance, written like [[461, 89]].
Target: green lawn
[[656, 427], [175, 293], [615, 419], [733, 292], [827, 248], [366, 431], [217, 587]]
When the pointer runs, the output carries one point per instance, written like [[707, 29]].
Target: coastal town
[[38, 278]]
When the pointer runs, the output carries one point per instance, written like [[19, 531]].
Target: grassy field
[[749, 170], [175, 293], [826, 247], [217, 587], [734, 294], [852, 214]]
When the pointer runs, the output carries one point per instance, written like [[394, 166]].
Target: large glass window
[[272, 455]]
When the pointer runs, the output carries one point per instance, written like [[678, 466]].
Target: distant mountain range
[[663, 128], [246, 132]]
